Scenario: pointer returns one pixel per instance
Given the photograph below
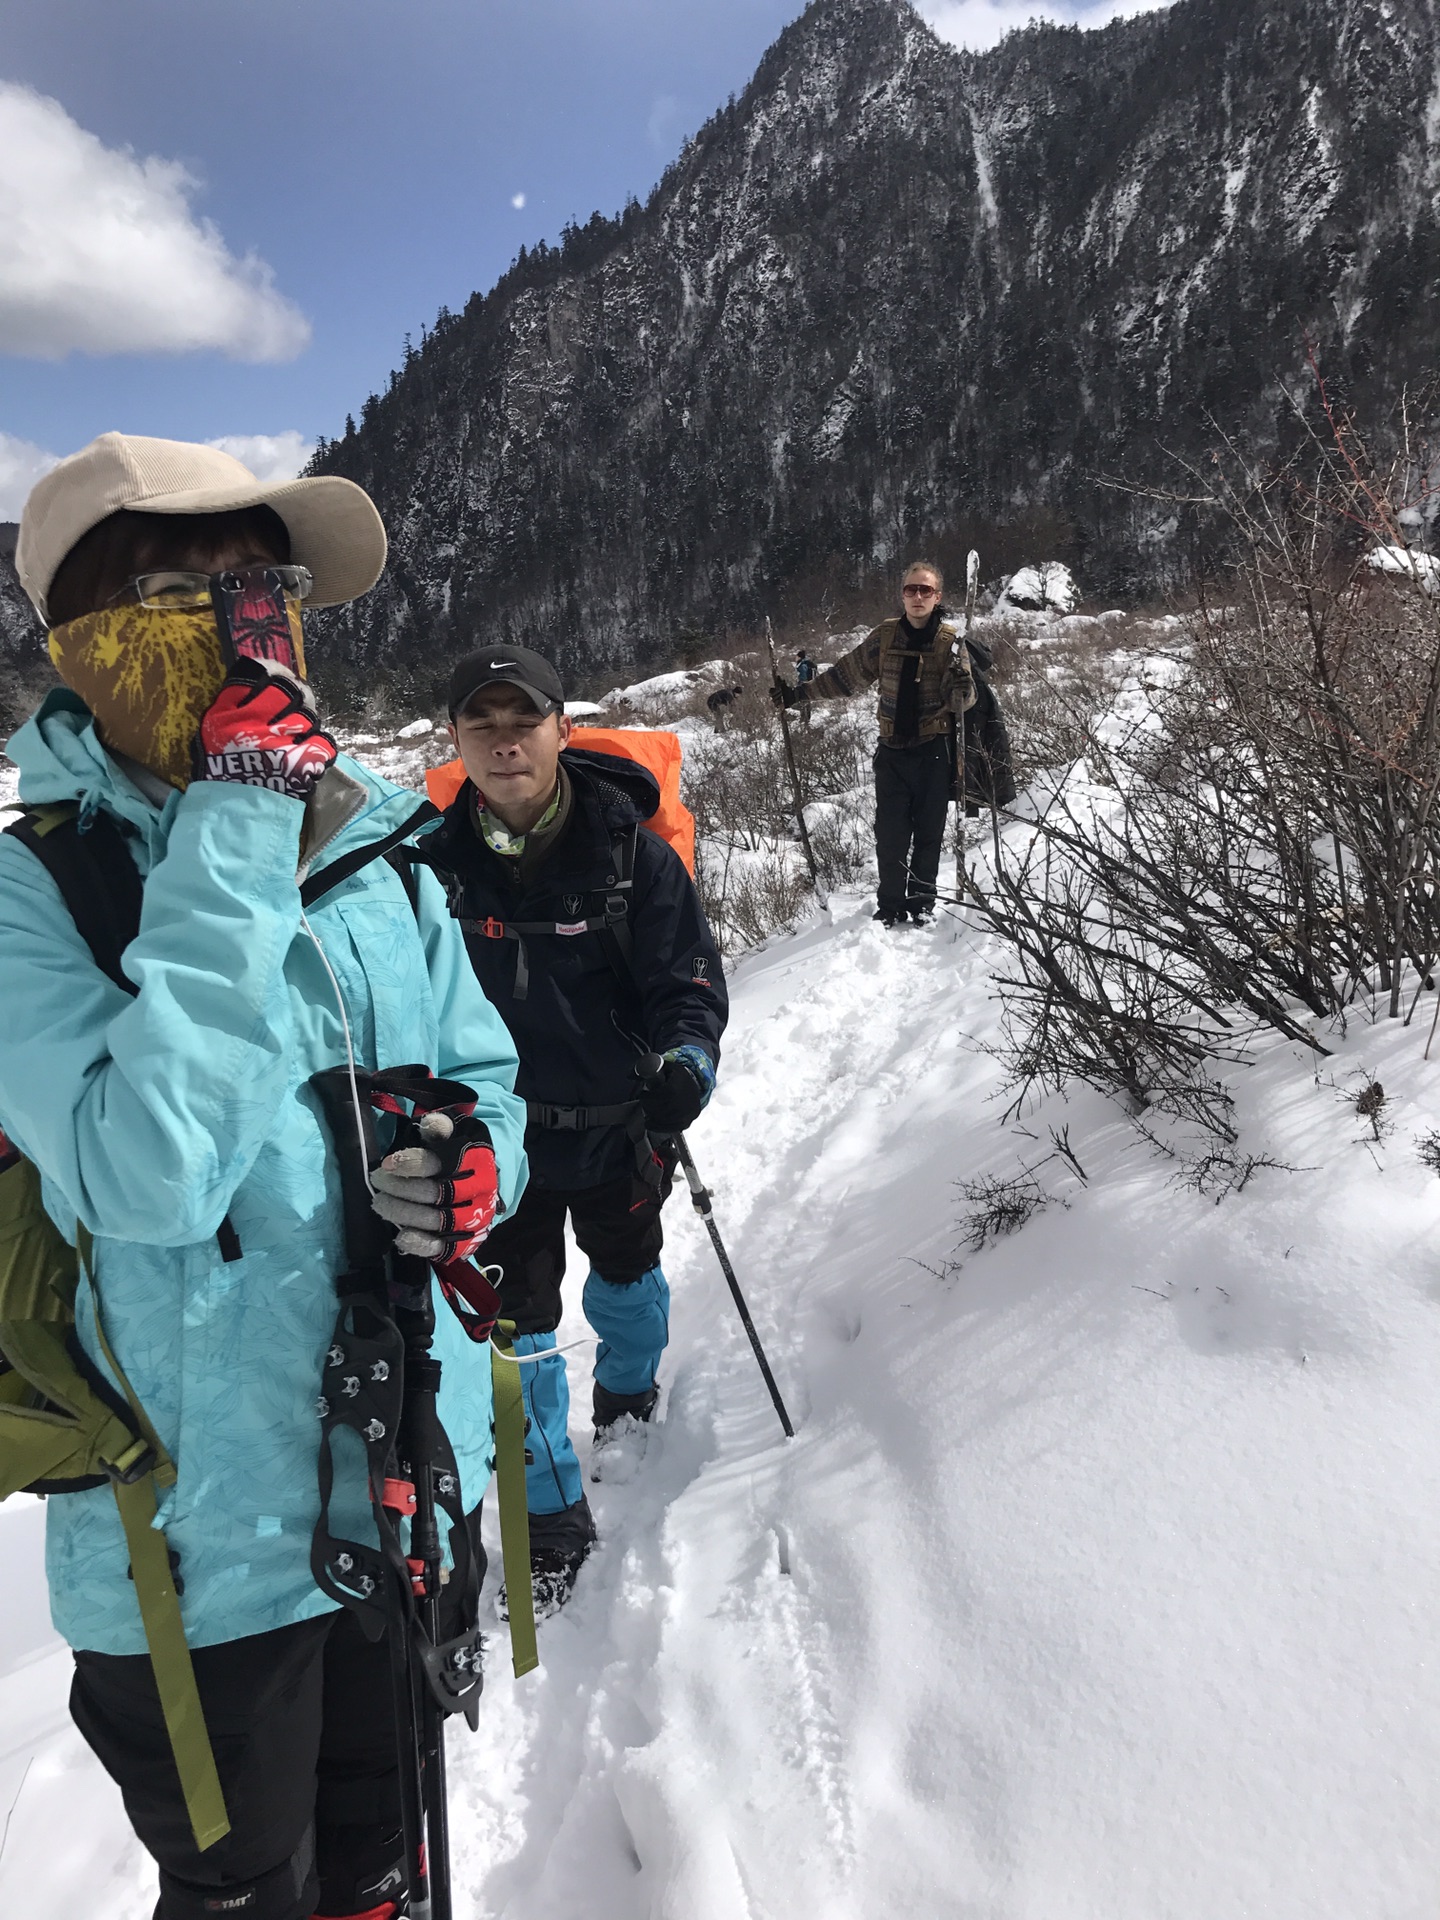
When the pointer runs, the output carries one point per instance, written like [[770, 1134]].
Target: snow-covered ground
[[1098, 1583]]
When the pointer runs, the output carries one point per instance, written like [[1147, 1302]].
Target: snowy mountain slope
[[897, 298], [1097, 1583]]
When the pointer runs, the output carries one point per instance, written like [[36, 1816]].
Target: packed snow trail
[[1098, 1584]]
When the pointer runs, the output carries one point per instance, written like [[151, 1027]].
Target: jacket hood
[[626, 792], [980, 652], [61, 760]]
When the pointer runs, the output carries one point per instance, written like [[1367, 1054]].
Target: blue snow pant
[[626, 1300]]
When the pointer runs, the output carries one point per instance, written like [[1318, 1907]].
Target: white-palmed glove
[[443, 1195]]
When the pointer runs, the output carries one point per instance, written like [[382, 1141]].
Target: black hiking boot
[[560, 1544], [889, 916], [610, 1407], [622, 1428]]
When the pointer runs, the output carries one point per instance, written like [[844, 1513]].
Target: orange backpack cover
[[658, 753]]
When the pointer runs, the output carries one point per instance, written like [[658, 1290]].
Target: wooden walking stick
[[794, 770]]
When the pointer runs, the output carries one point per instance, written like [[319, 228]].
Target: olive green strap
[[160, 1606], [514, 1504], [170, 1658], [164, 1466]]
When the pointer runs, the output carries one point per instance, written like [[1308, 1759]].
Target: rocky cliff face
[[900, 296]]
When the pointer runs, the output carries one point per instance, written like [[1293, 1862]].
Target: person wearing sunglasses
[[924, 675], [167, 1105]]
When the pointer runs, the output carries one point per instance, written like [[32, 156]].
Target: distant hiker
[[924, 676], [804, 674], [719, 704], [588, 935], [167, 1107]]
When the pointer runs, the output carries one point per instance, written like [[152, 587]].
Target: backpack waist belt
[[542, 1113]]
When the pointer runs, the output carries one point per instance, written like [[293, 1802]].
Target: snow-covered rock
[[1048, 587], [1409, 563], [415, 730]]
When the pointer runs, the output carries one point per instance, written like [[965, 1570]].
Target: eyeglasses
[[180, 591], [925, 593]]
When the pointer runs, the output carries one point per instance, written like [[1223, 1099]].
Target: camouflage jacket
[[946, 684]]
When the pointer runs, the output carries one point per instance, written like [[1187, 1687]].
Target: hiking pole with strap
[[794, 769], [381, 1381], [957, 727], [647, 1070]]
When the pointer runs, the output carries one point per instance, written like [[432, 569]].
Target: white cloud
[[101, 252], [517, 200], [269, 456], [982, 23], [21, 465]]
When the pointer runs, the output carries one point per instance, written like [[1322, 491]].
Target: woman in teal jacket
[[154, 1118]]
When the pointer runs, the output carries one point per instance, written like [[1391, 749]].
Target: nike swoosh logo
[[496, 665]]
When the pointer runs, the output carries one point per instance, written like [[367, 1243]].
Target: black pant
[[617, 1225], [302, 1724], [912, 797]]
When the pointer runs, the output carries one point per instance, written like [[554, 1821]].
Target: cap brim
[[334, 528], [542, 702]]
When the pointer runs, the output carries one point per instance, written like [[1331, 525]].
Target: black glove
[[673, 1099], [784, 695]]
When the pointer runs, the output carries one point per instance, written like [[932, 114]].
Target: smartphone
[[255, 619]]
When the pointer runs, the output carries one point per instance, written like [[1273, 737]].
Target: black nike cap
[[516, 667]]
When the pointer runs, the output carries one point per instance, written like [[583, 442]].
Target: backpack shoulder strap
[[96, 875], [618, 938], [401, 860], [316, 885]]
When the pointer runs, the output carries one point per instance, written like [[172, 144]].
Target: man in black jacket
[[588, 937]]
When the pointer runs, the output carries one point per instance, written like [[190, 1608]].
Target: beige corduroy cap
[[334, 528]]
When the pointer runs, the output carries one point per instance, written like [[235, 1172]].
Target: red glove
[[259, 732], [442, 1196]]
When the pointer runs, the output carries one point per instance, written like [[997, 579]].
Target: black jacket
[[989, 776], [582, 1014]]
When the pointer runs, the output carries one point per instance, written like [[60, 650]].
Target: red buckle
[[399, 1497], [492, 928], [417, 1578]]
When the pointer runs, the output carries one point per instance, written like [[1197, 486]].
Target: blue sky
[[221, 219]]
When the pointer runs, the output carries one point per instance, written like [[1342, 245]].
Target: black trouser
[[617, 1225], [302, 1724], [912, 797]]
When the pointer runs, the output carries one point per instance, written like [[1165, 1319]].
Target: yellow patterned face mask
[[147, 674]]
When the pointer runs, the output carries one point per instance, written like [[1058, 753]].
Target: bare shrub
[[747, 899], [997, 1207], [1262, 838], [1369, 1104]]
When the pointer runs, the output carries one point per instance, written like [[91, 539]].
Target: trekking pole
[[384, 1334], [957, 723], [794, 769], [647, 1070], [421, 1443]]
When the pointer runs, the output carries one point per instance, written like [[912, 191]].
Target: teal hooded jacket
[[153, 1117]]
